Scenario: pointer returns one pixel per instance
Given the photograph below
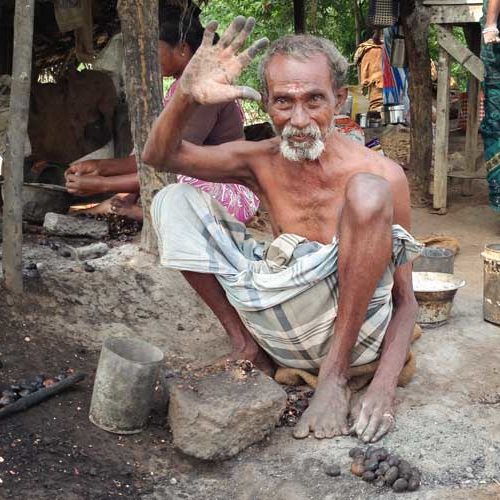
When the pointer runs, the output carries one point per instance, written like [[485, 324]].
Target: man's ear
[[340, 96]]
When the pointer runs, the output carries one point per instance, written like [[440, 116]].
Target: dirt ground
[[448, 418]]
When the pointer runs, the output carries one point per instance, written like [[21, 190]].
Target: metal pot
[[434, 293], [394, 113], [362, 120]]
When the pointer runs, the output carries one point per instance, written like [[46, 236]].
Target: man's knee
[[369, 197]]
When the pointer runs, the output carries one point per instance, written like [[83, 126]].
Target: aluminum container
[[394, 113]]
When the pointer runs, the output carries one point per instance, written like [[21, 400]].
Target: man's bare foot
[[127, 206], [326, 416]]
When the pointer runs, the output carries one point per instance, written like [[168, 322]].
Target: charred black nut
[[356, 452], [380, 454], [379, 481], [368, 476], [88, 268], [400, 485], [393, 460], [369, 451], [332, 470], [391, 475], [357, 467], [414, 483], [371, 464], [383, 467], [404, 469]]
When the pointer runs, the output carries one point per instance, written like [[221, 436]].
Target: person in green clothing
[[490, 126]]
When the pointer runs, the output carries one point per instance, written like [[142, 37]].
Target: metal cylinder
[[124, 385], [435, 260], [491, 286]]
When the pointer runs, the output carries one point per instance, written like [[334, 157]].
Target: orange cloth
[[368, 57]]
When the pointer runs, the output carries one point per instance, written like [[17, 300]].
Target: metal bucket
[[491, 286], [394, 113], [434, 293], [435, 260], [124, 385]]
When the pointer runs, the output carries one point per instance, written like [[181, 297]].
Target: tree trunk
[[143, 86], [313, 16], [416, 26], [357, 21], [16, 139], [299, 16]]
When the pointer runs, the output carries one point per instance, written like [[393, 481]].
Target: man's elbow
[[151, 157]]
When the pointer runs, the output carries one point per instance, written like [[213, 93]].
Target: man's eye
[[316, 97], [281, 100]]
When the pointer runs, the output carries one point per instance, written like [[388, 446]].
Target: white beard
[[299, 151]]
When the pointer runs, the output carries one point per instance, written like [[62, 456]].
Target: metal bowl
[[38, 199], [434, 293]]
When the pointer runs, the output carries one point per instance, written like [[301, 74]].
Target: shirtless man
[[317, 185]]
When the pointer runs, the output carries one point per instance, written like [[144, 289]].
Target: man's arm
[[377, 409], [206, 80]]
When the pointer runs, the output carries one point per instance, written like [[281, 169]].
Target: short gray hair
[[302, 47]]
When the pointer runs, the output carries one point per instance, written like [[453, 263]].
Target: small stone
[[391, 475], [67, 225], [88, 267], [27, 339], [173, 481], [400, 485], [180, 327], [368, 476], [356, 452], [333, 470]]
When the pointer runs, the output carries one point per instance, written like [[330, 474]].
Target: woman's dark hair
[[177, 30]]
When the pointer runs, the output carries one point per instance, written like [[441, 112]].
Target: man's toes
[[319, 433], [301, 430]]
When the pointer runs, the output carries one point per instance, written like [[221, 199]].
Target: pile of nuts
[[382, 468]]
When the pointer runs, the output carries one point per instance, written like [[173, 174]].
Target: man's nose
[[299, 118]]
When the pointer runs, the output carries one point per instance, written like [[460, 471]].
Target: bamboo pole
[[16, 140]]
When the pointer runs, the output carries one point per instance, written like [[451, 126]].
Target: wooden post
[[442, 131], [416, 26], [299, 16], [473, 36], [143, 86], [16, 140]]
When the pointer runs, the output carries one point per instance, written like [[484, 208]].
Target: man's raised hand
[[209, 76]]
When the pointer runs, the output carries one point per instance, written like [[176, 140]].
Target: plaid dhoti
[[286, 291]]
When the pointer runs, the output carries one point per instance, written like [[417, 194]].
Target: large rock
[[216, 417], [67, 225]]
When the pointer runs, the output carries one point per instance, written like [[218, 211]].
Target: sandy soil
[[447, 422]]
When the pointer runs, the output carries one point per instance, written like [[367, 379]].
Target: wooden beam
[[299, 16], [143, 86], [454, 3], [16, 140], [442, 130], [460, 53], [449, 14], [473, 36]]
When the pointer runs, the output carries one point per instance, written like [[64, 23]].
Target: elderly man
[[325, 294]]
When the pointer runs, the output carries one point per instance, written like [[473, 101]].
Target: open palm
[[209, 76]]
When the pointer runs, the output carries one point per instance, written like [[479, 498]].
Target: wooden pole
[[16, 140], [473, 35], [442, 131], [143, 86], [299, 16], [416, 26]]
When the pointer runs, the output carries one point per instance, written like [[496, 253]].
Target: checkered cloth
[[383, 13], [286, 292]]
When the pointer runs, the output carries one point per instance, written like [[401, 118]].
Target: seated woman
[[210, 125]]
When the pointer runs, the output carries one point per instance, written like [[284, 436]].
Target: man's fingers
[[243, 35], [360, 426], [234, 29], [209, 33], [372, 427], [384, 428], [247, 55], [243, 92]]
